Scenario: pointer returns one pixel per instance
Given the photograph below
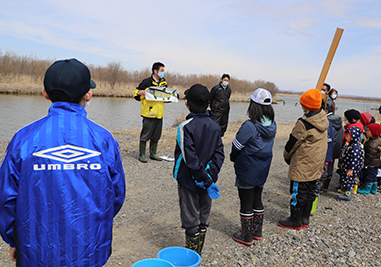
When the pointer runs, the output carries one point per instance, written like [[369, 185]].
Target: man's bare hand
[[142, 92], [12, 254]]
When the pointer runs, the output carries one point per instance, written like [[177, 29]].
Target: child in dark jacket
[[199, 155], [372, 149], [351, 161], [252, 155], [338, 130]]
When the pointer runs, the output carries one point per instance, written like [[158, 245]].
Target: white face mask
[[323, 92], [333, 96], [225, 84], [87, 103]]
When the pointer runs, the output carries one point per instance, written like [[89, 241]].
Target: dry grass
[[27, 85]]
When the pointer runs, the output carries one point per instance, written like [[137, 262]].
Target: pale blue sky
[[285, 42]]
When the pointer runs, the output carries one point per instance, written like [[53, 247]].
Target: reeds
[[24, 74]]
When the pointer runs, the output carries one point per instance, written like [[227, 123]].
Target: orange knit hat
[[311, 99]]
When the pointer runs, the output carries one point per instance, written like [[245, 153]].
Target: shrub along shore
[[29, 87]]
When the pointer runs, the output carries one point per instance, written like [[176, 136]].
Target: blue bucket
[[152, 263], [180, 257]]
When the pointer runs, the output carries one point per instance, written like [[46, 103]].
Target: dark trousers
[[151, 129], [302, 192], [222, 119], [251, 199], [370, 175], [194, 208], [330, 168]]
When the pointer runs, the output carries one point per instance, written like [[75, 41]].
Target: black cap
[[352, 115], [68, 76], [198, 94]]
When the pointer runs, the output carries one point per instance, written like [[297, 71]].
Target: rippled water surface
[[122, 113]]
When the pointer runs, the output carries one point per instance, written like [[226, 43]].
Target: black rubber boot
[[324, 184], [257, 225], [152, 150], [202, 239], [295, 220], [193, 242], [245, 235], [306, 214], [142, 152]]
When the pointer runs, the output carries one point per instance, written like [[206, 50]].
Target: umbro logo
[[67, 153]]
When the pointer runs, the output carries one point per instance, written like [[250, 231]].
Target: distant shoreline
[[126, 92], [343, 98]]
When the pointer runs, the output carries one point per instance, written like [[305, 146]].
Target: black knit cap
[[70, 77], [198, 94], [352, 115]]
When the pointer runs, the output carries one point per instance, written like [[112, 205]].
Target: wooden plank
[[328, 60]]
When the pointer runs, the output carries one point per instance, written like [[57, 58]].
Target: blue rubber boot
[[366, 190], [347, 196], [374, 188]]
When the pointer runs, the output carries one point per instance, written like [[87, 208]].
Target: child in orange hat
[[305, 152]]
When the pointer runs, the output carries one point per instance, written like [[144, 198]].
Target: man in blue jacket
[[61, 180]]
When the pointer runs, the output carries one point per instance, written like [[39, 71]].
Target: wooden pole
[[328, 60]]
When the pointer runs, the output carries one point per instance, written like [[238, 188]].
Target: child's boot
[[295, 220], [374, 188], [366, 190], [306, 214], [325, 181], [355, 187], [347, 196], [192, 240], [202, 238], [245, 235], [257, 224], [314, 204]]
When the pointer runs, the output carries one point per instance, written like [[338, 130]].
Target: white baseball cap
[[261, 96]]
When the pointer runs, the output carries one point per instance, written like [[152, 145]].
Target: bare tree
[[113, 73]]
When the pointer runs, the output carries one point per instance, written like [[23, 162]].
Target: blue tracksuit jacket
[[61, 184], [252, 152], [199, 152]]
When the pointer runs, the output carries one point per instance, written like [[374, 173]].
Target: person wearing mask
[[219, 102], [152, 113], [325, 89], [331, 105]]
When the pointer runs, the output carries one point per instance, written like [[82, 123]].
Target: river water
[[124, 113]]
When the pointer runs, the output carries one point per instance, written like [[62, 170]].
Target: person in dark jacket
[[372, 149], [252, 154], [338, 130], [219, 102], [332, 96], [328, 159], [199, 155]]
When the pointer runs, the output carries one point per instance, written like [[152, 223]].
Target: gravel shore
[[339, 234]]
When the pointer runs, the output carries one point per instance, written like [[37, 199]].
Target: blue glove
[[200, 184], [213, 191]]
